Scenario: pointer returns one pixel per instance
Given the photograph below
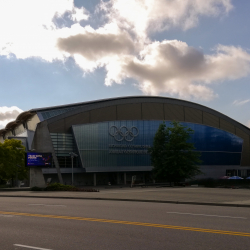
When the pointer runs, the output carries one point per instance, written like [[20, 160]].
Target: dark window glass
[[124, 144]]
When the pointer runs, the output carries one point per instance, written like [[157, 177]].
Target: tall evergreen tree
[[172, 156]]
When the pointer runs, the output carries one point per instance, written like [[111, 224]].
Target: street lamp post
[[72, 155], [31, 150]]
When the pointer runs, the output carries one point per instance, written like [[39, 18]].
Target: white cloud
[[92, 48], [175, 68], [99, 45], [122, 45], [240, 103], [27, 28], [156, 15], [78, 14], [7, 114]]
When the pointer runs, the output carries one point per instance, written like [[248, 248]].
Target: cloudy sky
[[55, 52]]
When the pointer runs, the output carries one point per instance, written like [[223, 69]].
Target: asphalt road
[[63, 224]]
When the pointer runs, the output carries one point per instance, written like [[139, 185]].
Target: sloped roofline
[[105, 100], [79, 106], [91, 105]]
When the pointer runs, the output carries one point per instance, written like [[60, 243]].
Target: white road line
[[36, 204], [210, 215], [47, 205], [142, 191], [39, 248], [55, 205]]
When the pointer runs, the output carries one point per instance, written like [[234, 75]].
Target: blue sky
[[54, 52]]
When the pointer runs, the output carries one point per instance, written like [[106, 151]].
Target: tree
[[12, 160], [172, 156]]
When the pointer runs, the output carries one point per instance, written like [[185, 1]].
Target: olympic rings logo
[[123, 133]]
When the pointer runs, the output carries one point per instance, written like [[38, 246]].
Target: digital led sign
[[38, 159]]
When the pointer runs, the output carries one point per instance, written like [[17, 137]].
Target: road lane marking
[[35, 204], [142, 191], [47, 205], [204, 230], [210, 215], [38, 248], [2, 215], [55, 205]]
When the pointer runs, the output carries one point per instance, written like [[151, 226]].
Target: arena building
[[111, 138]]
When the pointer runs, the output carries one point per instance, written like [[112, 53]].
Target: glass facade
[[51, 113], [125, 143], [64, 144]]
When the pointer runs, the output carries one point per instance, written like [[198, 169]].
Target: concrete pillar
[[94, 179], [125, 178], [42, 143], [36, 178], [57, 167]]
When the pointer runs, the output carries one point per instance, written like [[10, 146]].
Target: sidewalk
[[180, 195]]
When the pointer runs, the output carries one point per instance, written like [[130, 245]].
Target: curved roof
[[96, 104], [24, 116], [11, 125], [91, 105]]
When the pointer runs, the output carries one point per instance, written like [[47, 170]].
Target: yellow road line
[[131, 223]]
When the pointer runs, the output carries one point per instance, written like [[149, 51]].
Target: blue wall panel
[[125, 143]]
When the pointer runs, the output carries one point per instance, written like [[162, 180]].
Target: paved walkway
[[182, 195]]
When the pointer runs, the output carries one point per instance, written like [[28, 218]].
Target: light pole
[[31, 150], [72, 155]]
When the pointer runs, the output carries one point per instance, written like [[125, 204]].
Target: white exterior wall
[[31, 124], [9, 133], [19, 129]]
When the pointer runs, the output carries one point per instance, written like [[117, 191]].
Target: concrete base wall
[[87, 179], [216, 172], [37, 178]]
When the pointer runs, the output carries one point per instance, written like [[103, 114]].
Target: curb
[[14, 189], [134, 200]]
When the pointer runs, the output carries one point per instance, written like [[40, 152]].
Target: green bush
[[37, 189], [60, 187], [86, 190]]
